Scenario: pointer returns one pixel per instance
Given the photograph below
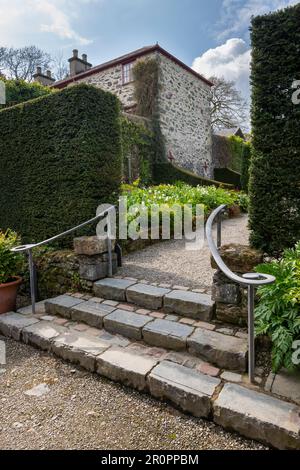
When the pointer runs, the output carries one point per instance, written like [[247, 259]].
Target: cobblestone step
[[176, 376], [223, 350], [182, 302]]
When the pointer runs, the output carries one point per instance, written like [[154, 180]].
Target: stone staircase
[[164, 342], [192, 332]]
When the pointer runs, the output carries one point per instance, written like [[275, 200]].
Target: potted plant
[[10, 266]]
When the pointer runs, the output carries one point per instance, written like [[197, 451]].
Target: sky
[[212, 36]]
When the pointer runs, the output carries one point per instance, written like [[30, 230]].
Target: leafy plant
[[10, 263], [278, 312]]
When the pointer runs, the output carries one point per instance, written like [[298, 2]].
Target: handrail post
[[251, 335], [109, 246], [219, 231], [32, 280]]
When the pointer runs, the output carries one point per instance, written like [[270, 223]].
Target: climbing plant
[[145, 73]]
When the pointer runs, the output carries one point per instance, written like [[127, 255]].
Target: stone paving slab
[[258, 416], [188, 389], [12, 324], [41, 334], [112, 288], [39, 308], [62, 305], [146, 296], [79, 348], [91, 313], [189, 304], [227, 352], [167, 334], [125, 367], [287, 384], [126, 323]]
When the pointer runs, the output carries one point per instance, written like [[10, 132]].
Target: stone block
[[227, 352], [188, 389], [93, 268], [287, 384], [258, 416], [79, 348], [189, 304], [90, 246], [62, 305], [12, 324], [126, 323], [41, 334], [39, 308], [167, 334], [125, 367], [146, 296], [226, 293], [112, 288], [91, 313], [233, 314], [239, 258]]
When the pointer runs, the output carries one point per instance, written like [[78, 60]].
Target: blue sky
[[210, 35]]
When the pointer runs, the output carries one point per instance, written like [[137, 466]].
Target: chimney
[[78, 65], [43, 79]]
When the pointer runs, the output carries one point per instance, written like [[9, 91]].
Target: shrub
[[18, 91], [245, 169], [60, 159], [275, 162], [11, 263], [278, 312]]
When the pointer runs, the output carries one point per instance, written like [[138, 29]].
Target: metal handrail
[[251, 280], [28, 248]]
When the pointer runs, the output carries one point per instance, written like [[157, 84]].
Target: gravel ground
[[169, 262], [83, 411]]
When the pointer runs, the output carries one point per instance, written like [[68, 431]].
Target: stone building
[[183, 101]]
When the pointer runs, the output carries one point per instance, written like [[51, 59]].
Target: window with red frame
[[127, 72]]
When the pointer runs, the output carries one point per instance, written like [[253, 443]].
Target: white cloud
[[236, 14], [231, 60], [21, 18]]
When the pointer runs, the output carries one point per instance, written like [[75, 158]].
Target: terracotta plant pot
[[8, 295]]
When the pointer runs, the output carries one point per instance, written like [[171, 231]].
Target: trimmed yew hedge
[[275, 162], [60, 158]]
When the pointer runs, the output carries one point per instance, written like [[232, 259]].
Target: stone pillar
[[93, 258], [231, 298]]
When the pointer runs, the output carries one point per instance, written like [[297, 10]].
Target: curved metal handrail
[[251, 280], [28, 248]]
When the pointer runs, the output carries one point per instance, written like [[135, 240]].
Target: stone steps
[[228, 352], [185, 303], [156, 371]]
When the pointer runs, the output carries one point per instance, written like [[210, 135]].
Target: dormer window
[[127, 72]]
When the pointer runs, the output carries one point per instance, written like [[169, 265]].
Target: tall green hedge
[[275, 163], [60, 157]]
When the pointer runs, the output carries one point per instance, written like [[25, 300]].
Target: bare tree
[[21, 63], [60, 66], [228, 107]]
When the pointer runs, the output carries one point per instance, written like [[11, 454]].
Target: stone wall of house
[[185, 117], [111, 80]]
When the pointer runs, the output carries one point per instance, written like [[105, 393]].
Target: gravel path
[[169, 262], [83, 411]]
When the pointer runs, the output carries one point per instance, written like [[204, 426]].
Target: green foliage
[[145, 73], [11, 263], [18, 91], [210, 196], [60, 159], [275, 161], [236, 149], [278, 312], [137, 142]]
